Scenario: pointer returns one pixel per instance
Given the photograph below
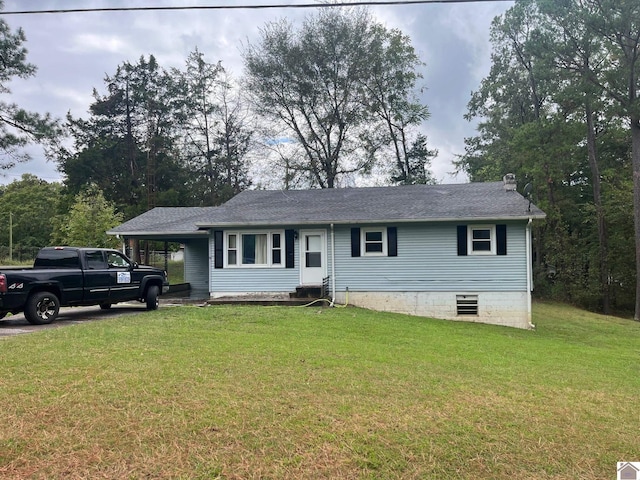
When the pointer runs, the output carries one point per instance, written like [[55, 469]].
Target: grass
[[278, 393], [175, 269], [5, 262]]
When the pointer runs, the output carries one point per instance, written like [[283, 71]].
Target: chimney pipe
[[509, 182]]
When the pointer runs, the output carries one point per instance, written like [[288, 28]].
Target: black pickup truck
[[70, 276]]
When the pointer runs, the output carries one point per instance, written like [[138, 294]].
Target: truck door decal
[[124, 277]]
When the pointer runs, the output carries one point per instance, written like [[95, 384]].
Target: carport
[[176, 224]]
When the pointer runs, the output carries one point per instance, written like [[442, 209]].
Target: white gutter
[[529, 271], [333, 267]]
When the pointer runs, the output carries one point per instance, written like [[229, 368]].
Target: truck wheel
[[41, 308], [105, 306], [152, 297]]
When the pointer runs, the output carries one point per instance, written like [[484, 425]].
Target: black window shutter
[[462, 239], [501, 239], [392, 241], [289, 255], [218, 259], [355, 242]]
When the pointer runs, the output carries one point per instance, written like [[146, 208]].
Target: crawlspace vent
[[466, 304]]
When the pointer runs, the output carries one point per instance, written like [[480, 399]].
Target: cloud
[[97, 43]]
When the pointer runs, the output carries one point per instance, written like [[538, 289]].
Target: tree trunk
[[603, 241], [635, 149]]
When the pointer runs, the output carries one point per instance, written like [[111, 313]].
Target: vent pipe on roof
[[509, 182]]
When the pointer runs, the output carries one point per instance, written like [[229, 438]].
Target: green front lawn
[[284, 392]]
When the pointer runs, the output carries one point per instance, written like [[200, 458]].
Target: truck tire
[[105, 306], [41, 308], [152, 297]]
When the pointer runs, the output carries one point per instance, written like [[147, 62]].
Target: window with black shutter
[[482, 239], [374, 242]]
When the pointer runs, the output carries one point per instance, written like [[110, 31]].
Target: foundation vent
[[466, 305]]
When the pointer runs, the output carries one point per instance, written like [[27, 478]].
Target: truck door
[[97, 277], [123, 284]]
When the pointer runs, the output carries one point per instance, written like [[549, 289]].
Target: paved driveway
[[16, 324]]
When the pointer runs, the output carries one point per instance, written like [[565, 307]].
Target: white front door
[[313, 252]]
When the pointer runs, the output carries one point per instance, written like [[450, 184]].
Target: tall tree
[[200, 82], [514, 93], [127, 147], [617, 22], [394, 73], [19, 127], [234, 140], [576, 53], [216, 128], [317, 83]]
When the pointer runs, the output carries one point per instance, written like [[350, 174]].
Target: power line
[[243, 7]]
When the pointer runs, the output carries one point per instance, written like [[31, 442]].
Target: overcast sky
[[74, 51]]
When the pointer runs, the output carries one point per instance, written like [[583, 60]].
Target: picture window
[[254, 249]]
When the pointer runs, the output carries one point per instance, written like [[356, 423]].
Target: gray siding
[[196, 264], [427, 261]]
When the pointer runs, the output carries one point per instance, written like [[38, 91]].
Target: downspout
[[333, 267], [529, 272]]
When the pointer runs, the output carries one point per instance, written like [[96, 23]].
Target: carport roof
[[175, 221]]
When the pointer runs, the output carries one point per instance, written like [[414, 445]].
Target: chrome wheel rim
[[46, 308]]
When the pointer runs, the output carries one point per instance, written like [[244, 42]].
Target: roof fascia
[[382, 220], [155, 234]]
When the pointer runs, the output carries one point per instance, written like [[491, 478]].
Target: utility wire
[[242, 7]]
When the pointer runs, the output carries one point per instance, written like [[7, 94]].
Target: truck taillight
[[3, 283]]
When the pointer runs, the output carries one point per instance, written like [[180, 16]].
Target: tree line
[[560, 109]]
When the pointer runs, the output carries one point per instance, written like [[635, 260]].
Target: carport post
[[166, 256]]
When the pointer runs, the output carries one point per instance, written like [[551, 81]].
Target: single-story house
[[459, 251]]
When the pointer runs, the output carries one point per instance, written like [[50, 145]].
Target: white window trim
[[363, 242], [492, 239], [226, 249], [269, 234]]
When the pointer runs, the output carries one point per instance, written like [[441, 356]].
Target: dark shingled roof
[[412, 203], [165, 220]]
